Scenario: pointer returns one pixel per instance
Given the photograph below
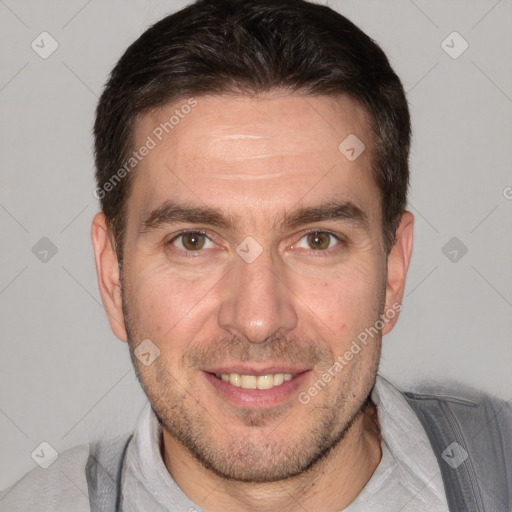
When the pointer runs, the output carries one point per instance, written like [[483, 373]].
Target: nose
[[257, 303]]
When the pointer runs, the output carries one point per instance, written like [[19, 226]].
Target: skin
[[257, 159]]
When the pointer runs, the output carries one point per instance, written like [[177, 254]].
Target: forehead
[[261, 154]]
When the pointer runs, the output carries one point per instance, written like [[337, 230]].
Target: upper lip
[[257, 371]]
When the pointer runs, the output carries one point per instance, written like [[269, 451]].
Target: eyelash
[[342, 242]]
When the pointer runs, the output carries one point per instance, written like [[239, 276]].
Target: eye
[[318, 241], [191, 241]]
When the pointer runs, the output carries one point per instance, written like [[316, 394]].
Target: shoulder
[[478, 414], [60, 487], [90, 471], [468, 422], [471, 434], [463, 400]]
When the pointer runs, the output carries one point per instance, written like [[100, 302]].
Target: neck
[[330, 485]]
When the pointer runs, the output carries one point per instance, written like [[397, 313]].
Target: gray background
[[65, 379]]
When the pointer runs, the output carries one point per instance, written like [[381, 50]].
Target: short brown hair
[[251, 47]]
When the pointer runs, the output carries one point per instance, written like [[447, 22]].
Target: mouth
[[268, 381], [245, 387]]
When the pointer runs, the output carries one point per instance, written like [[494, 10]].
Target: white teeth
[[265, 382], [248, 381], [234, 379], [255, 382], [278, 379]]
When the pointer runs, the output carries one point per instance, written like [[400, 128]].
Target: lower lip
[[257, 398]]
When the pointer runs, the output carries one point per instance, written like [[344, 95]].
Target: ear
[[398, 263], [107, 270]]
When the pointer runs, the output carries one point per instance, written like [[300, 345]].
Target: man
[[252, 250]]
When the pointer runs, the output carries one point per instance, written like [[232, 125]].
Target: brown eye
[[319, 240], [191, 241]]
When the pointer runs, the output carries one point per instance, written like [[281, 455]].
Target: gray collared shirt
[[408, 477]]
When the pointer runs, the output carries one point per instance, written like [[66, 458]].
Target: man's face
[[254, 289]]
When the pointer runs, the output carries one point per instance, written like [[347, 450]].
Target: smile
[[257, 387], [255, 381]]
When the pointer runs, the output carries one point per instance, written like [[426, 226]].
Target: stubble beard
[[253, 459]]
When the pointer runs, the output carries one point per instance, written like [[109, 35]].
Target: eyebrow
[[171, 212], [332, 210]]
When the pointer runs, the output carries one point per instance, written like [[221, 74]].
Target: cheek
[[346, 298], [167, 307]]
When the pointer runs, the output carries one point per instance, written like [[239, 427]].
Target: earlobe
[[398, 264], [107, 270]]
